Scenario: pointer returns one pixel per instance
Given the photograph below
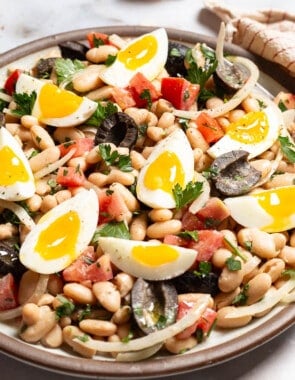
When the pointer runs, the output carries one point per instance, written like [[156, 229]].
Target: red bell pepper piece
[[180, 92], [9, 85]]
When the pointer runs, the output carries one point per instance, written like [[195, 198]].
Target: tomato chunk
[[208, 242], [69, 176], [96, 38], [142, 90], [81, 146], [213, 213], [8, 292], [10, 82], [180, 92], [111, 207], [123, 97], [209, 128]]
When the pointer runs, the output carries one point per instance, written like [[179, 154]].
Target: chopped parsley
[[288, 148], [189, 235], [289, 272], [204, 269], [146, 95], [233, 264], [102, 111], [234, 249], [113, 229], [242, 297], [282, 106], [113, 158], [66, 68], [66, 308], [110, 60], [24, 103], [190, 193]]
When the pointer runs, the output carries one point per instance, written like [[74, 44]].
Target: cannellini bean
[[98, 327], [7, 231], [70, 335], [262, 243], [122, 315], [257, 287], [159, 230], [67, 134], [124, 283], [41, 137], [226, 299], [285, 179], [79, 293], [101, 53], [195, 138], [160, 215], [88, 79], [229, 323], [273, 268], [288, 255], [177, 346], [108, 295], [138, 227], [229, 280], [44, 158], [53, 338]]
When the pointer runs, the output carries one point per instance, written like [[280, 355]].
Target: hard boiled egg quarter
[[146, 54], [255, 132], [150, 260], [269, 210], [55, 106], [16, 177], [61, 234], [171, 162]]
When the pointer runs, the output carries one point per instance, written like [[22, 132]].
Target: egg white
[[227, 144], [27, 84], [119, 75], [177, 143], [120, 254], [18, 190], [85, 203]]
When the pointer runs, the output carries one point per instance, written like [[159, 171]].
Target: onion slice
[[203, 197], [135, 356], [156, 337], [270, 299], [20, 212], [55, 165]]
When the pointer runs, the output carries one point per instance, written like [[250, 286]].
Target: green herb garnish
[[233, 264], [114, 229], [235, 250], [24, 103], [190, 193], [242, 297], [101, 113], [113, 158], [110, 60], [66, 308], [66, 68], [189, 235], [288, 148]]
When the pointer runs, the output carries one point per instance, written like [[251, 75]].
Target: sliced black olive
[[189, 282], [44, 67], [231, 77], [73, 50], [175, 59], [233, 175], [154, 304], [9, 260], [119, 129]]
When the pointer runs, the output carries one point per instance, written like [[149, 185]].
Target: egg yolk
[[155, 255], [278, 203], [59, 238], [55, 102], [12, 168], [138, 53], [164, 173], [250, 129]]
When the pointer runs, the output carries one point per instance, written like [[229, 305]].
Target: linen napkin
[[267, 33]]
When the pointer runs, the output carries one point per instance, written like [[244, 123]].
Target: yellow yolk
[[59, 238], [139, 53], [278, 204], [250, 129], [154, 255], [55, 102], [13, 169], [164, 173]]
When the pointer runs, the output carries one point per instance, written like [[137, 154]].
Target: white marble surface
[[22, 21]]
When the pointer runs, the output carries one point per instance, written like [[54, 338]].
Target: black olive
[[119, 129], [73, 50], [233, 175], [154, 304], [44, 67], [175, 60], [231, 77], [189, 282], [9, 260]]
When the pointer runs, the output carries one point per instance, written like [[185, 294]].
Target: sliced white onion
[[135, 356], [288, 298], [203, 197], [270, 299], [11, 314], [54, 166], [251, 264], [154, 338], [20, 212], [5, 97]]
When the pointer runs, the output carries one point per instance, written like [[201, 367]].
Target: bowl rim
[[170, 365]]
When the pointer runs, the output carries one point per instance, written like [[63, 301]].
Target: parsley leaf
[[3, 104], [242, 297], [101, 113], [233, 264], [282, 106], [288, 148], [187, 195], [113, 229], [189, 235], [289, 272], [66, 68], [66, 307], [234, 249], [24, 103], [110, 60], [122, 161], [146, 95], [204, 269], [200, 74]]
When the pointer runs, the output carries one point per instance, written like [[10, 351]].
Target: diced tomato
[[111, 207], [69, 176], [8, 290], [285, 100], [91, 37], [213, 213], [143, 90], [204, 323], [88, 268], [10, 82], [81, 146], [175, 240], [123, 97], [209, 128], [191, 222], [208, 242], [180, 92]]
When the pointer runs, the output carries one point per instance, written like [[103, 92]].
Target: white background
[[25, 20]]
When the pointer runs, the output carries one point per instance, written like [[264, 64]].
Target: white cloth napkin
[[268, 33]]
